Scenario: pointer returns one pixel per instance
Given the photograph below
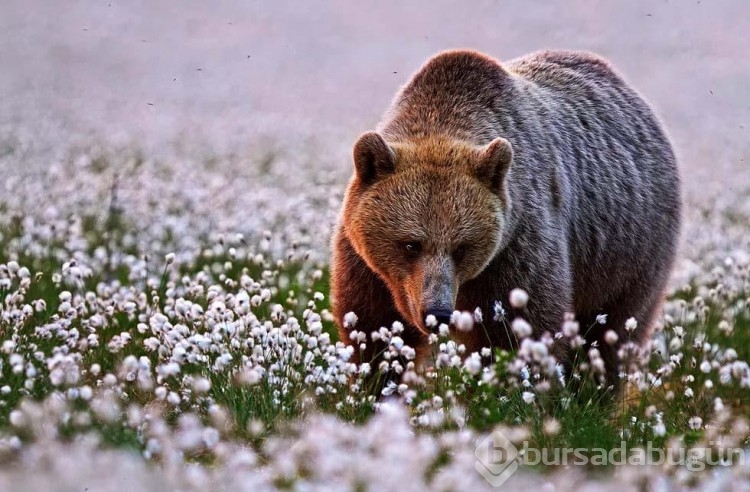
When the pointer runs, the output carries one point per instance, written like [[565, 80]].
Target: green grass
[[586, 416]]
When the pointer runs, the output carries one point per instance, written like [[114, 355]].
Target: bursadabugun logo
[[497, 458]]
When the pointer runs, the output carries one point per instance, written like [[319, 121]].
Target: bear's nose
[[443, 316]]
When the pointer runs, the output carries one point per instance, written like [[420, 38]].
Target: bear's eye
[[413, 249], [459, 253]]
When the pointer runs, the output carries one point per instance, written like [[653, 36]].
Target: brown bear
[[547, 173]]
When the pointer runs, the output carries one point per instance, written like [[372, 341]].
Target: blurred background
[[223, 71], [208, 80]]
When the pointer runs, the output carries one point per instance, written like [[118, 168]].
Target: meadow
[[143, 343]]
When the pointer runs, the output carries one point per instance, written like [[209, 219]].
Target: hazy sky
[[225, 71]]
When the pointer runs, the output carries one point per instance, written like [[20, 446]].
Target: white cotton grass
[[108, 341], [521, 328], [611, 337], [518, 298], [255, 346], [350, 319], [463, 320]]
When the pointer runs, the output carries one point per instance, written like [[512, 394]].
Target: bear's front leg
[[543, 272], [357, 289]]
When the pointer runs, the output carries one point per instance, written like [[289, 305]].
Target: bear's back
[[454, 94], [616, 166]]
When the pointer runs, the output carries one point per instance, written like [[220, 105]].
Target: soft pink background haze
[[225, 73]]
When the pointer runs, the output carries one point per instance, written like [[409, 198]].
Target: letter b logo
[[496, 459]]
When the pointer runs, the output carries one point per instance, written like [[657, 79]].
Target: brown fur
[[548, 173]]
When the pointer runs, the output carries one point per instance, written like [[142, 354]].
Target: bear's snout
[[439, 286]]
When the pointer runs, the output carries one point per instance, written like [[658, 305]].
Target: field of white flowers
[[164, 311]]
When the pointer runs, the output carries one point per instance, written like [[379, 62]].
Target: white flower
[[173, 398], [560, 371], [389, 389], [443, 329], [538, 350], [528, 396], [725, 327], [464, 321], [408, 353], [519, 298], [570, 328], [17, 418], [397, 342], [610, 337], [601, 319], [86, 393], [210, 437], [675, 344], [718, 405], [169, 369], [350, 319], [730, 354], [201, 385], [473, 364], [659, 429], [695, 423], [249, 377], [689, 392], [499, 311], [169, 258], [551, 427], [705, 367], [316, 328], [631, 324], [265, 295], [521, 328]]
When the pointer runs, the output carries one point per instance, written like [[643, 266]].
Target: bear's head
[[427, 216]]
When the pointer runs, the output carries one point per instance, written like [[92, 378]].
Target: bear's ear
[[373, 158], [493, 162]]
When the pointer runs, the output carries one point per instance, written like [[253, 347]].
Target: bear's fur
[[548, 173]]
